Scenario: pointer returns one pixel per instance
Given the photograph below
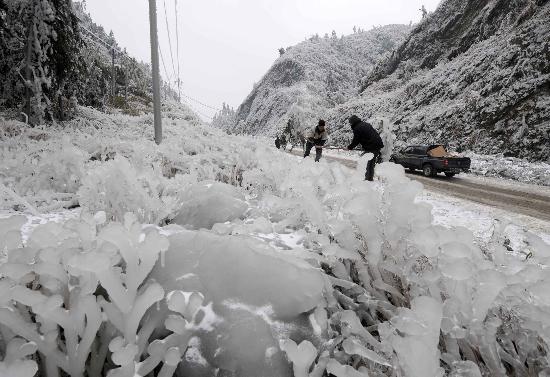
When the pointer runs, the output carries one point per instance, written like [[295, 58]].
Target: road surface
[[513, 198]]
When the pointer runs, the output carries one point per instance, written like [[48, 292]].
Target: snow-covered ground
[[511, 168], [482, 220], [262, 263]]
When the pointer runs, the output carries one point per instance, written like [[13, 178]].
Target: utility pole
[[156, 70]]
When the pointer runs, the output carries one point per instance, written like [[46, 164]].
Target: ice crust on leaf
[[301, 356], [339, 370], [243, 269], [209, 203], [417, 347]]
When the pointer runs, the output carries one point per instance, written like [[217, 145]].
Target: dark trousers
[[318, 151], [369, 174]]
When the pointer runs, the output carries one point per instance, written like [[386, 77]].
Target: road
[[513, 199]]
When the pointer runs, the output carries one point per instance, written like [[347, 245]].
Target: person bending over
[[368, 137]]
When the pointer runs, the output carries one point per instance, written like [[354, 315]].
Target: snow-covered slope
[[271, 265], [474, 74], [313, 77]]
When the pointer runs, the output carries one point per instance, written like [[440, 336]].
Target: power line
[[102, 43], [201, 103], [163, 64], [178, 48], [199, 112], [169, 38]]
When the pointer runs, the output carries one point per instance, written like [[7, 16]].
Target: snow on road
[[481, 219]]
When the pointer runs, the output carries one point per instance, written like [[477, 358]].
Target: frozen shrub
[[207, 203], [75, 292], [116, 187], [301, 266]]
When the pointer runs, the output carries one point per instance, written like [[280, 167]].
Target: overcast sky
[[228, 45]]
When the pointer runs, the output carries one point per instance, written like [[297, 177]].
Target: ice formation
[[287, 267]]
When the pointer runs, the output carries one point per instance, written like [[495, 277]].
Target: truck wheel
[[450, 175], [428, 171]]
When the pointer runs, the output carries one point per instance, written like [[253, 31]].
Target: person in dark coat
[[317, 139], [368, 137], [283, 141], [278, 142]]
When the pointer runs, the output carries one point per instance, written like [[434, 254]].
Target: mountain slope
[[314, 76], [475, 74]]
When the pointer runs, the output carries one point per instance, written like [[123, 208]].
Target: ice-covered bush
[[77, 293], [117, 187], [302, 268], [209, 203]]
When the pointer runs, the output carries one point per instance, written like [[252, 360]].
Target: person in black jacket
[[368, 137]]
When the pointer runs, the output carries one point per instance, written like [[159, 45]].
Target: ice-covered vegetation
[[511, 168], [270, 265], [53, 57]]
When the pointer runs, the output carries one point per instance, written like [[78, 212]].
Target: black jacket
[[367, 136]]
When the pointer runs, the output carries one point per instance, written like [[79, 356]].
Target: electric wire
[[169, 38], [178, 48], [99, 41], [163, 64], [200, 103]]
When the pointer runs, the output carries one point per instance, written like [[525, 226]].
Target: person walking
[[370, 140], [317, 138], [278, 142]]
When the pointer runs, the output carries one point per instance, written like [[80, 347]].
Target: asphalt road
[[512, 199]]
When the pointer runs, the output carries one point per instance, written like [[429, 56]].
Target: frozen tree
[[281, 51], [42, 41], [424, 12], [225, 118], [354, 29], [388, 137]]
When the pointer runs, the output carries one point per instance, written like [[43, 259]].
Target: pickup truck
[[422, 157]]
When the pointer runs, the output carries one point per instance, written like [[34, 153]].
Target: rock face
[[475, 74], [311, 78]]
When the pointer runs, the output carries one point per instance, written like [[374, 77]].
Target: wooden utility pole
[[155, 70]]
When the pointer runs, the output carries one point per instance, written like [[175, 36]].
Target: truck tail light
[[446, 162]]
